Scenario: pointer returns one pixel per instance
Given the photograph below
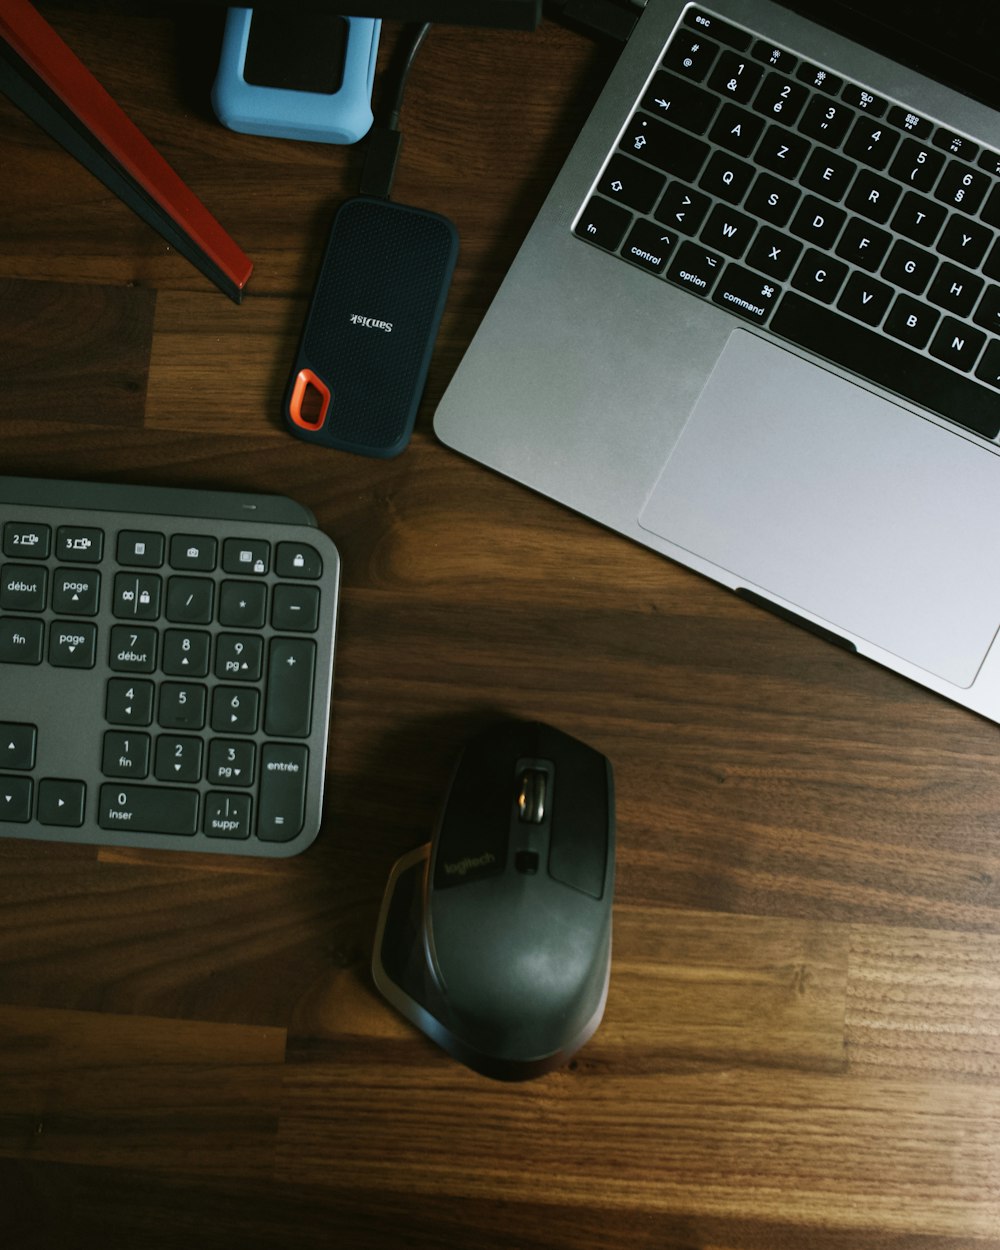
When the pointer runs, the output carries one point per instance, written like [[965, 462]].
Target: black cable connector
[[385, 139], [605, 18]]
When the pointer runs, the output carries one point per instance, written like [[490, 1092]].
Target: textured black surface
[[373, 320]]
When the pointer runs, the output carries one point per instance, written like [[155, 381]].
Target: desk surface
[[802, 1039]]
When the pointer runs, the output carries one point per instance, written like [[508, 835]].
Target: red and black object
[[369, 334], [43, 77]]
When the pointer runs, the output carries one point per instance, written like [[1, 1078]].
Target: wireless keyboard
[[166, 665]]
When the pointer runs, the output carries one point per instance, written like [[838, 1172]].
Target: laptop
[[756, 324]]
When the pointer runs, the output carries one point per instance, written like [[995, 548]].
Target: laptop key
[[603, 223], [680, 102], [746, 294], [886, 363], [695, 268]]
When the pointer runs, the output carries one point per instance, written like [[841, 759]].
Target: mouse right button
[[582, 824]]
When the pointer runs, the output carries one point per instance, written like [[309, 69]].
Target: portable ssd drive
[[369, 334]]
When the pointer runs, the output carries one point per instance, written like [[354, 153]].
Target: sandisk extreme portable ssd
[[369, 334]]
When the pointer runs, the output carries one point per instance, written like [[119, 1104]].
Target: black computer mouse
[[496, 938]]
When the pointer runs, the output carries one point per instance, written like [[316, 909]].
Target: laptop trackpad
[[801, 484]]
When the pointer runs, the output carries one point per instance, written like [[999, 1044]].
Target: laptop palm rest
[[802, 485]]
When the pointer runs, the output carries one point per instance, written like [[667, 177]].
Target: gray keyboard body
[[166, 667]]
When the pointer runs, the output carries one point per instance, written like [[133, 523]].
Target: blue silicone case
[[343, 116]]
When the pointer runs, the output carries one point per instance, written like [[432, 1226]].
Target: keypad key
[[72, 644], [238, 657], [250, 555], [61, 802], [186, 652], [129, 702], [296, 608], [125, 754], [283, 774], [137, 596], [297, 560], [23, 540], [133, 649], [148, 809], [235, 710], [231, 762], [190, 600], [23, 588], [290, 667], [79, 544], [602, 223], [20, 640], [195, 552], [18, 743], [76, 592], [15, 799], [991, 209], [177, 759], [228, 815], [141, 548], [182, 705]]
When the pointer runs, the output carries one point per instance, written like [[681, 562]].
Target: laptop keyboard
[[845, 223], [166, 662]]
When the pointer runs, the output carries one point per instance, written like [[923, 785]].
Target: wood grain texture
[[802, 1040]]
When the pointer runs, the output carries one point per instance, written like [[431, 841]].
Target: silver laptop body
[[668, 409]]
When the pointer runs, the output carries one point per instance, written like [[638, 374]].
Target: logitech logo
[[462, 866], [370, 323]]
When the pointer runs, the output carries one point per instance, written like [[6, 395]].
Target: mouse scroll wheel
[[532, 794]]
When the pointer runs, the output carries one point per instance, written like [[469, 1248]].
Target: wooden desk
[[802, 1040]]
